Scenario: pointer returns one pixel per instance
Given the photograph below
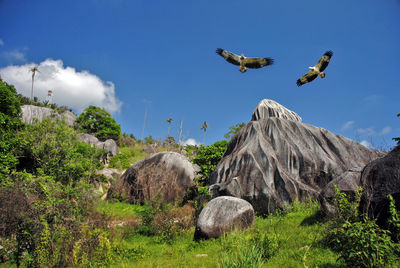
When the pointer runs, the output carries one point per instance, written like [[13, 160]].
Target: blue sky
[[129, 55]]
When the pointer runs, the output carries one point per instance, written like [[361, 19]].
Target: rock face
[[273, 161], [110, 173], [169, 174], [379, 179], [30, 112], [348, 182], [269, 108], [109, 145], [223, 214]]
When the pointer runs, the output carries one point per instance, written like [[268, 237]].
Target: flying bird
[[316, 70], [242, 61]]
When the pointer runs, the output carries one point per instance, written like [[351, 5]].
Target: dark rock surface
[[273, 161], [223, 214], [379, 179], [169, 174], [30, 112], [348, 182]]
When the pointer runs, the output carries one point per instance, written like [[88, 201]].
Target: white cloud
[[190, 141], [14, 55], [74, 89], [385, 130], [366, 131], [366, 143], [348, 125], [1, 42]]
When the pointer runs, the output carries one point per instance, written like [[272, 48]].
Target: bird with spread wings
[[316, 70], [242, 61]]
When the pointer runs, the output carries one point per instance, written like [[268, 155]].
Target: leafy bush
[[346, 208], [10, 122], [93, 248], [207, 157], [42, 218], [51, 148], [363, 244], [97, 121], [360, 242]]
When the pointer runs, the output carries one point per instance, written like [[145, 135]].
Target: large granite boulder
[[348, 182], [109, 145], [167, 174], [223, 214], [31, 112], [379, 179], [273, 161]]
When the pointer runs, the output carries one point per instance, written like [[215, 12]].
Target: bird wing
[[308, 77], [256, 63], [324, 61], [229, 56]]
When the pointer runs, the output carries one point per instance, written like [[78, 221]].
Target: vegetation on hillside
[[51, 215]]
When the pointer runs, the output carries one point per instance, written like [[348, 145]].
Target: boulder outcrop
[[109, 145], [379, 179], [168, 174], [273, 161], [223, 214], [32, 112], [348, 182]]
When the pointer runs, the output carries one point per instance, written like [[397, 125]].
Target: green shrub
[[10, 123], [207, 157], [120, 161], [347, 209], [363, 244], [51, 148], [394, 220], [93, 248], [360, 242]]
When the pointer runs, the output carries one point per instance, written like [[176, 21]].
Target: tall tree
[[34, 69], [169, 121], [204, 128], [97, 121]]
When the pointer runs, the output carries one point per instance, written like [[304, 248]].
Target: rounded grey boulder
[[223, 214], [379, 179], [167, 174]]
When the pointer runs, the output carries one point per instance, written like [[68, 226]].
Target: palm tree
[[34, 69], [169, 121], [204, 127]]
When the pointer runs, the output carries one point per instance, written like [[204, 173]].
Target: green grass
[[299, 233], [128, 156], [120, 210], [131, 154]]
